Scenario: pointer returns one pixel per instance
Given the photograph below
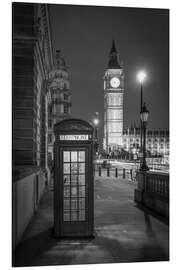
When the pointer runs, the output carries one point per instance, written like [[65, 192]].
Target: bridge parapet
[[153, 191]]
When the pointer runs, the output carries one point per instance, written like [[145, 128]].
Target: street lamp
[[144, 118], [141, 76], [96, 124]]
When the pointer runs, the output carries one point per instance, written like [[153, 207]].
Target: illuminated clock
[[115, 82]]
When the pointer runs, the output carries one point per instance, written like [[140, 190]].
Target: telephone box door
[[75, 191]]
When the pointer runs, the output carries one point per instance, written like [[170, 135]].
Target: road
[[123, 231]]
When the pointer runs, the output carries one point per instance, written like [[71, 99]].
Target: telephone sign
[[73, 182], [74, 137]]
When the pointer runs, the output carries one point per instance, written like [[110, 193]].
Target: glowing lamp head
[[141, 76], [96, 121], [144, 114]]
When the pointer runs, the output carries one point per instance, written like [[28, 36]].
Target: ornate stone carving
[[73, 125]]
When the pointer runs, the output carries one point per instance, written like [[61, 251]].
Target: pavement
[[124, 232]]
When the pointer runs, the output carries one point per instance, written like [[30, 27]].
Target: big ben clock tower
[[113, 103]]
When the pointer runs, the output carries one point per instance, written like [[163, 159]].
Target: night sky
[[84, 34]]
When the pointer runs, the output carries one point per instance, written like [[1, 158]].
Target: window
[[115, 99], [49, 123], [65, 108], [65, 97], [115, 114], [74, 186], [114, 127], [50, 109], [50, 138]]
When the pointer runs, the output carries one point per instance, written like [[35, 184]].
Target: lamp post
[[96, 124], [144, 118], [141, 77], [134, 151]]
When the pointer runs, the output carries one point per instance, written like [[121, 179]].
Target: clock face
[[115, 82]]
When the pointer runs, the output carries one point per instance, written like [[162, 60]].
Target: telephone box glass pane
[[82, 215], [81, 156], [74, 204], [66, 180], [74, 156], [66, 216], [67, 204], [66, 191], [74, 168], [81, 167], [66, 167], [82, 179], [74, 179], [81, 191], [74, 216], [74, 191], [74, 185], [66, 156], [82, 203]]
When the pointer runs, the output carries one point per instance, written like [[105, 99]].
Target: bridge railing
[[157, 182], [153, 191]]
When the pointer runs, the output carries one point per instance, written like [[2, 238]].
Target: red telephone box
[[73, 179]]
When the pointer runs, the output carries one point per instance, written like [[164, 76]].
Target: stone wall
[[26, 195]]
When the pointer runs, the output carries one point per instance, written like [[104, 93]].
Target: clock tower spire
[[113, 102], [113, 57]]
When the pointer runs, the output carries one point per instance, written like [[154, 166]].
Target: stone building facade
[[60, 106], [32, 63]]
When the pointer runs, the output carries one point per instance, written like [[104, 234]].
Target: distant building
[[32, 63], [117, 139], [157, 141], [60, 105]]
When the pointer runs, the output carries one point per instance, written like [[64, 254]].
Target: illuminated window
[[115, 99], [115, 114], [114, 127]]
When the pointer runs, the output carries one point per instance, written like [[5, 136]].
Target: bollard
[[124, 173], [116, 172], [99, 171], [131, 174], [108, 172]]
